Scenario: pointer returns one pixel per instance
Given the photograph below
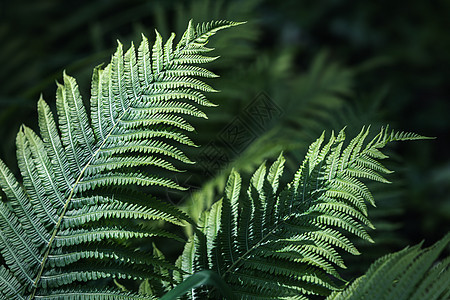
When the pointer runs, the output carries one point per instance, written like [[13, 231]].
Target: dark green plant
[[410, 274], [77, 216], [283, 242]]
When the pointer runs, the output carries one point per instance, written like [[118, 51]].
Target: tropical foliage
[[85, 219]]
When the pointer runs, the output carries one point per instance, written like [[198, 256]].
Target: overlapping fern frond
[[68, 221], [277, 242], [410, 274]]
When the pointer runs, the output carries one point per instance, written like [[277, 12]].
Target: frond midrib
[[66, 205], [79, 180], [243, 256]]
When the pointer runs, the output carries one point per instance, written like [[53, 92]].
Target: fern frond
[[279, 242], [78, 175], [412, 273]]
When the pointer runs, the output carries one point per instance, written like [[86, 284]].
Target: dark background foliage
[[326, 64]]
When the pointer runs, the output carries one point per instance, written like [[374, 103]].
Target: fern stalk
[[66, 205]]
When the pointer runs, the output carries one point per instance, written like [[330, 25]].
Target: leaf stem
[[66, 206]]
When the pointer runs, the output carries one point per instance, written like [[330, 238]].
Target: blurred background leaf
[[318, 65]]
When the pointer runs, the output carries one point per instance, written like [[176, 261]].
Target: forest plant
[[283, 242], [70, 219], [410, 274], [77, 212]]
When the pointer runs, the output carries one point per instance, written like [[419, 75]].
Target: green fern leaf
[[68, 221], [285, 242], [411, 273]]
